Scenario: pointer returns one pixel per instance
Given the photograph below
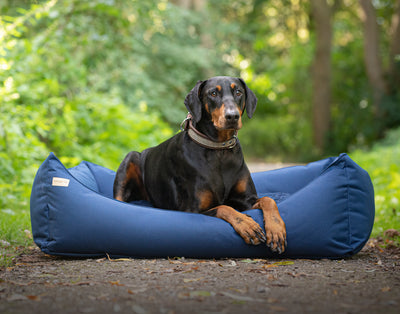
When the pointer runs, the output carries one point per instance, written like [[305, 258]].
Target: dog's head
[[221, 100]]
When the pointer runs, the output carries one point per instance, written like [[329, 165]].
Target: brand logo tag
[[60, 182]]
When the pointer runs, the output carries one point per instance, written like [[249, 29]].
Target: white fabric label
[[60, 182]]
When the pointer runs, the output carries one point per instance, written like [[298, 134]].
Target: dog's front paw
[[249, 230], [275, 230]]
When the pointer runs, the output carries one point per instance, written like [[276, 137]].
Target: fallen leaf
[[138, 290], [230, 263], [183, 295], [244, 290], [240, 302], [117, 259], [33, 297], [195, 294], [195, 268], [201, 293], [250, 261], [240, 297], [186, 280], [284, 263], [386, 289], [270, 265], [276, 264], [116, 283]]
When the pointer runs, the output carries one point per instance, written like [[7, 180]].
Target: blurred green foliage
[[383, 165]]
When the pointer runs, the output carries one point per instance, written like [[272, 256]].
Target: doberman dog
[[202, 169]]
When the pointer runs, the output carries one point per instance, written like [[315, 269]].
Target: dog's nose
[[232, 115]]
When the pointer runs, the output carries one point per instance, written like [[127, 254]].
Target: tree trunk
[[321, 72], [394, 65], [373, 62]]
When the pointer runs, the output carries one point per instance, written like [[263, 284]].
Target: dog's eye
[[214, 93], [238, 92]]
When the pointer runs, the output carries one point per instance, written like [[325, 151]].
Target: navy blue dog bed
[[328, 207]]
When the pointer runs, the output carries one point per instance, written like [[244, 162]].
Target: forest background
[[92, 80]]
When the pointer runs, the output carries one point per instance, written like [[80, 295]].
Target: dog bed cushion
[[328, 208]]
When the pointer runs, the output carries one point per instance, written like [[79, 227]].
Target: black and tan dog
[[202, 169]]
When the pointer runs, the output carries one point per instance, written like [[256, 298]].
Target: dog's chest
[[220, 173]]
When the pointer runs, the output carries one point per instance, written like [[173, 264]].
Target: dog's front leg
[[275, 228]]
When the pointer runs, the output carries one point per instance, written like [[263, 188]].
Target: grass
[[15, 224], [382, 163], [15, 233]]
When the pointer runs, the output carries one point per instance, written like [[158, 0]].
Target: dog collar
[[202, 139]]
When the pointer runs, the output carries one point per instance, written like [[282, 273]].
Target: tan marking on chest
[[241, 186], [205, 198]]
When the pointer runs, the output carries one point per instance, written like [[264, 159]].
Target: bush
[[285, 138], [383, 165]]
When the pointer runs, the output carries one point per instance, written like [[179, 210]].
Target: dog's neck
[[206, 135]]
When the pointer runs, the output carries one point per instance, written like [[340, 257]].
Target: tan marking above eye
[[218, 87], [233, 85]]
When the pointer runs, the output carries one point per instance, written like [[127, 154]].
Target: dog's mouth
[[226, 125]]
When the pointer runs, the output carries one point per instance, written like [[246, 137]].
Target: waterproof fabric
[[328, 208]]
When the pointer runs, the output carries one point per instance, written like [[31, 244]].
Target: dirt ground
[[369, 282]]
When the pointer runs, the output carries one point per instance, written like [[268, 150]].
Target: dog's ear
[[251, 100], [193, 102]]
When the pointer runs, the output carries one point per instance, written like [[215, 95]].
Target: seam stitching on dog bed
[[348, 204], [48, 238]]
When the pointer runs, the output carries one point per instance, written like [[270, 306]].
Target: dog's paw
[[276, 234], [249, 230], [275, 229]]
